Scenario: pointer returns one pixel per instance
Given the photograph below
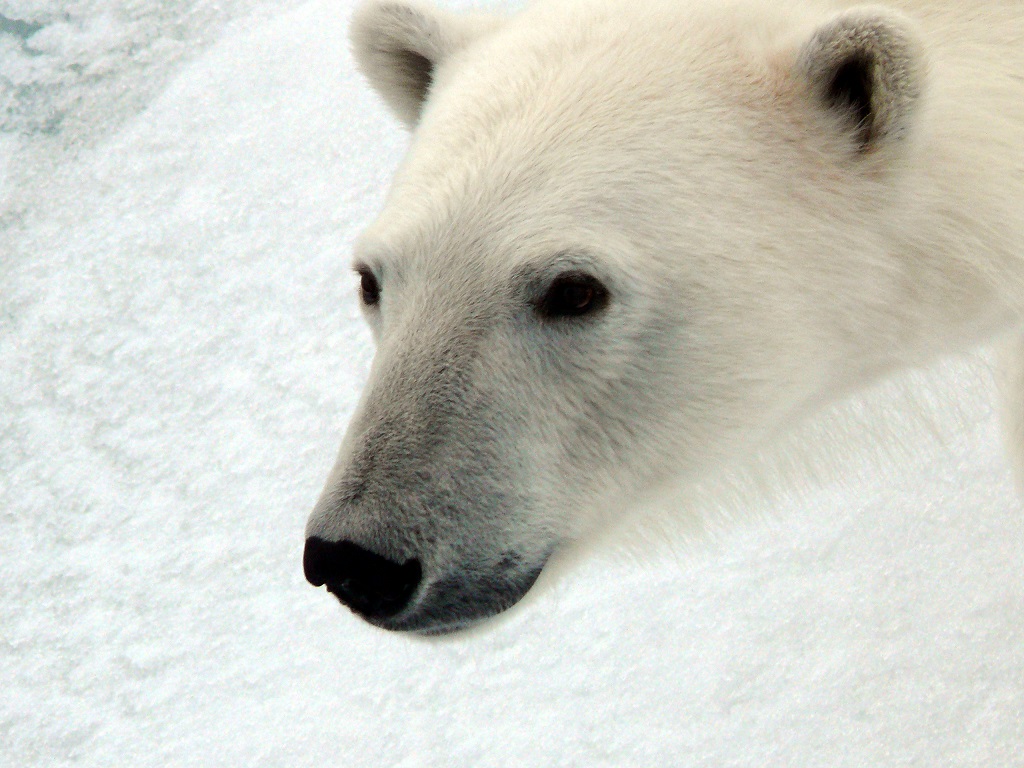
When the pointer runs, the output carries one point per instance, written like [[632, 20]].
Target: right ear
[[399, 44], [866, 66]]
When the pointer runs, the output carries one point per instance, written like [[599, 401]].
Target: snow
[[179, 187]]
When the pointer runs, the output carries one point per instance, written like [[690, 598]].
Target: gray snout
[[404, 597], [422, 525]]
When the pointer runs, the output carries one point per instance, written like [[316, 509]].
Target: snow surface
[[179, 351]]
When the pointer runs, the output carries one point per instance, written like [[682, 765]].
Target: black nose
[[369, 584]]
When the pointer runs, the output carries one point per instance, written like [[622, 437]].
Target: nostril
[[369, 584], [317, 560]]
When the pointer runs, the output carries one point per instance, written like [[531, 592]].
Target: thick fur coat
[[634, 240]]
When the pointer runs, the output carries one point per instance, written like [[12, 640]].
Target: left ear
[[866, 66], [399, 44]]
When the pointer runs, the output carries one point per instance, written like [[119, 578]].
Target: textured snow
[[179, 351]]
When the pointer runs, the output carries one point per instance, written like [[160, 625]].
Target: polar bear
[[633, 240]]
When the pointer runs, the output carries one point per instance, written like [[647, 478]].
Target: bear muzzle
[[396, 596]]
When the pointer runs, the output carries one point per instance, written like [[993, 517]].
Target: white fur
[[765, 253]]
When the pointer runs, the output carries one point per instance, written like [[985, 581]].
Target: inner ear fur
[[867, 65], [399, 44]]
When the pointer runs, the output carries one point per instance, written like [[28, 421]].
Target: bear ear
[[399, 45], [866, 66]]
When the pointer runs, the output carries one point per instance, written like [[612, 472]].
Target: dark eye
[[572, 294], [369, 288]]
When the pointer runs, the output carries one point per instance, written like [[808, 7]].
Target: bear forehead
[[568, 117], [567, 89], [540, 84], [561, 59]]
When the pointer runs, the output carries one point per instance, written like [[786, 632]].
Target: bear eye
[[369, 288], [573, 294]]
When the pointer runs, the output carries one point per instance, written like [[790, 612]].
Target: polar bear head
[[630, 242]]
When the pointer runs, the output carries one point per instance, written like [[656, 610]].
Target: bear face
[[629, 244]]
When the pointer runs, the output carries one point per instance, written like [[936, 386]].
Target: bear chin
[[461, 602]]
